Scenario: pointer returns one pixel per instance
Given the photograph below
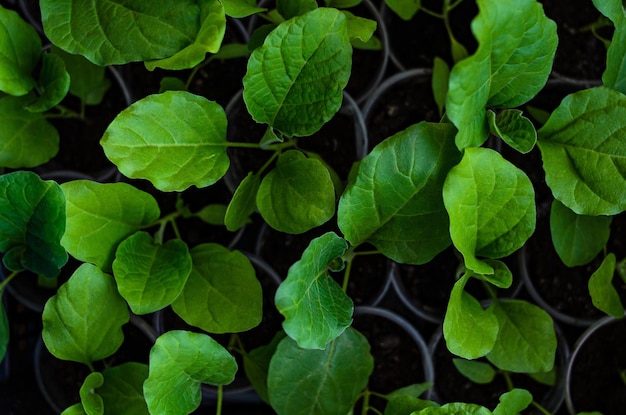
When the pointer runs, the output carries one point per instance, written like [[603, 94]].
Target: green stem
[[366, 403], [432, 13], [509, 382], [7, 280], [346, 276], [220, 393], [175, 228], [453, 5], [540, 408], [490, 290], [268, 163], [361, 253]]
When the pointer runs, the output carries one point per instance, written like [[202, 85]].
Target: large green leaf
[[175, 139], [615, 74], [208, 39], [315, 307], [27, 139], [295, 79], [517, 43], [122, 391], [318, 382], [297, 195], [491, 204], [88, 81], [469, 330], [53, 83], [526, 340], [603, 294], [578, 239], [32, 222], [109, 33], [582, 146], [222, 293], [150, 276], [83, 320], [395, 202], [20, 47], [179, 362], [100, 216]]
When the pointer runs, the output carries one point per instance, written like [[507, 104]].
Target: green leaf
[[257, 363], [414, 390], [614, 75], [526, 340], [578, 239], [408, 224], [548, 378], [315, 308], [88, 81], [213, 214], [441, 76], [53, 84], [501, 277], [360, 28], [100, 216], [20, 47], [515, 129], [603, 294], [32, 222], [295, 79], [83, 320], [172, 83], [406, 9], [403, 405], [222, 293], [122, 391], [175, 139], [92, 402], [305, 381], [491, 204], [456, 408], [243, 203], [179, 362], [241, 8], [208, 39], [27, 139], [470, 332], [477, 372], [293, 8], [150, 276], [342, 4], [76, 409], [517, 44], [583, 152], [119, 32], [5, 331], [513, 402], [297, 195]]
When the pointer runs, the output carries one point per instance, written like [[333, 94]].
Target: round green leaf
[[100, 216], [491, 204], [109, 33], [83, 320], [306, 381], [54, 83], [179, 362], [150, 276], [297, 195], [20, 47], [476, 371], [32, 222], [122, 391], [315, 307], [175, 139], [582, 146], [295, 79], [408, 224], [222, 293], [513, 402], [27, 139]]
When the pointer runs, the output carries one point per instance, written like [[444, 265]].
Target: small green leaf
[[513, 402], [583, 152], [208, 39], [5, 332], [406, 9], [257, 364], [477, 372], [456, 408], [175, 139], [150, 276], [241, 8], [222, 293], [20, 47], [439, 83], [414, 390], [120, 32], [27, 139], [491, 204], [232, 51], [526, 340], [92, 402], [76, 409], [408, 224], [615, 74], [305, 381], [501, 277], [359, 27], [243, 203], [578, 239], [403, 405], [83, 320], [603, 293], [213, 214], [548, 378], [342, 4], [297, 195], [470, 332], [515, 129], [122, 391], [100, 216], [179, 362], [298, 92], [315, 307], [32, 222], [53, 84], [293, 8], [88, 81], [172, 83]]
